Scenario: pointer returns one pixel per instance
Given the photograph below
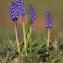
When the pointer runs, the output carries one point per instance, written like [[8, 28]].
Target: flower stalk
[[48, 26], [24, 35], [14, 18], [17, 41], [48, 42]]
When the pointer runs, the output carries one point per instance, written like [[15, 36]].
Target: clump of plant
[[26, 49], [30, 46]]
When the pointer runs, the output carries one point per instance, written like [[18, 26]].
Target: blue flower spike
[[13, 11], [48, 20], [48, 26], [19, 35], [21, 7], [22, 13], [32, 13], [14, 17]]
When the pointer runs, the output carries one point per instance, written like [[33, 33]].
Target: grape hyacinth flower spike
[[48, 20], [14, 18], [21, 7], [13, 12], [22, 13], [32, 13], [19, 35], [48, 26], [31, 17]]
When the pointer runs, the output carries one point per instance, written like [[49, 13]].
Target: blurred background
[[54, 6]]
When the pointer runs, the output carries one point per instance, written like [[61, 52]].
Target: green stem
[[30, 37], [48, 42], [24, 34]]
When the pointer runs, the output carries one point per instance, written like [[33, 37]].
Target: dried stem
[[17, 42]]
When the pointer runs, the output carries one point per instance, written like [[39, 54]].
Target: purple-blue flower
[[32, 13], [19, 35], [13, 11], [21, 7], [48, 20]]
